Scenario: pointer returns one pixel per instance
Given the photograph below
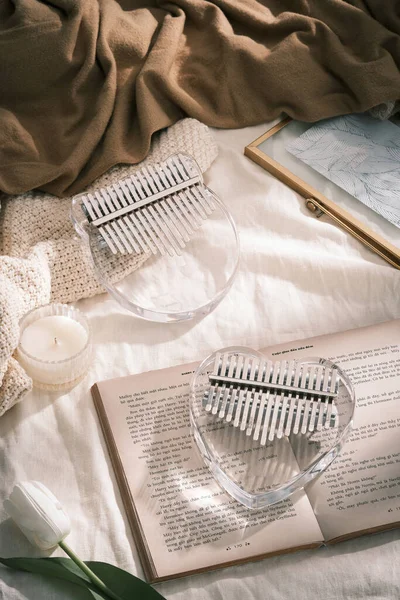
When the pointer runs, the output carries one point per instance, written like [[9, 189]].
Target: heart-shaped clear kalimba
[[266, 428]]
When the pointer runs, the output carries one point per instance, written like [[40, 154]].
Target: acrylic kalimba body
[[267, 428], [162, 243]]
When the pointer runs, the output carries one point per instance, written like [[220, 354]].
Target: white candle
[[54, 338], [55, 345]]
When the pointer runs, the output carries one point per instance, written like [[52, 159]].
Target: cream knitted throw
[[43, 260]]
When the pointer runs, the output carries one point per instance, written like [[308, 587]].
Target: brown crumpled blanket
[[85, 84]]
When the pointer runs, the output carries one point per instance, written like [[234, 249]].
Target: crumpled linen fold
[[85, 85]]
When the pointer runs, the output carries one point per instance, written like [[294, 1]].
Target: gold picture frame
[[318, 203]]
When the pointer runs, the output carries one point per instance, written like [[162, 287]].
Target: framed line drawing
[[325, 161]]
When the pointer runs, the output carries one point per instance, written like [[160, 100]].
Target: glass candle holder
[[55, 346]]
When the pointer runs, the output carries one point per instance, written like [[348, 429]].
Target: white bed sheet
[[299, 277]]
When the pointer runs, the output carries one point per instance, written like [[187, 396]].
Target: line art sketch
[[361, 155]]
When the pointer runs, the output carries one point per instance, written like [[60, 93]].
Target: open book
[[181, 519]]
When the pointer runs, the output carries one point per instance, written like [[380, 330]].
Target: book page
[[188, 523], [360, 491]]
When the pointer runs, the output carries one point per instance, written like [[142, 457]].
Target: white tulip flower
[[38, 514]]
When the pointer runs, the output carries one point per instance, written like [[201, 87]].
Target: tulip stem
[[92, 576]]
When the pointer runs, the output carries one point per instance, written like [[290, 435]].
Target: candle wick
[[55, 340]]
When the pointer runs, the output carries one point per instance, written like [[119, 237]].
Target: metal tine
[[137, 186], [144, 183], [299, 399], [212, 387], [179, 214], [107, 199], [242, 392], [88, 205], [249, 394], [325, 387], [92, 206], [126, 229], [104, 208], [126, 197], [307, 403], [179, 165], [320, 413], [188, 206], [108, 240], [302, 403], [181, 206], [187, 169], [150, 181], [156, 178], [112, 201], [133, 193], [256, 400], [170, 222], [95, 206], [316, 404], [176, 229], [333, 378], [270, 405], [286, 398], [335, 381], [168, 175], [119, 232], [228, 390], [120, 195], [237, 374], [174, 171], [156, 232], [265, 419], [142, 216], [171, 244], [117, 227], [278, 400], [135, 237], [166, 215], [196, 204], [183, 213], [201, 198], [141, 234], [293, 402], [114, 198], [176, 223], [264, 400], [114, 238], [220, 387], [163, 180], [117, 195]]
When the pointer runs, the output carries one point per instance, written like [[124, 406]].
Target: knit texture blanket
[[84, 85], [44, 261]]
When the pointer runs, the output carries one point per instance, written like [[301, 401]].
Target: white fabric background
[[299, 277]]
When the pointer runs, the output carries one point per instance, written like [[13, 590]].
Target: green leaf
[[49, 567], [119, 581], [123, 583]]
